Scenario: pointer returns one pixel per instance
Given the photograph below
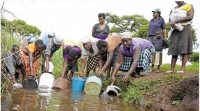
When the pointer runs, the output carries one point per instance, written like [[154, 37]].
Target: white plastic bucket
[[93, 85], [51, 66], [111, 88], [46, 81]]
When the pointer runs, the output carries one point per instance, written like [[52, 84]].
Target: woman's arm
[[110, 56], [83, 64], [136, 57], [93, 30], [100, 60], [119, 62], [65, 64], [165, 34], [190, 15], [30, 54]]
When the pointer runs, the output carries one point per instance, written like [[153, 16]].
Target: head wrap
[[85, 39], [126, 36]]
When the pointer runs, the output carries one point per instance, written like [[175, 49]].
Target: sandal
[[167, 72], [180, 72]]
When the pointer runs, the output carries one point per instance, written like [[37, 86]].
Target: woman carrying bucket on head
[[71, 54], [90, 50]]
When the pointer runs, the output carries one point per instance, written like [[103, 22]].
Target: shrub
[[194, 57]]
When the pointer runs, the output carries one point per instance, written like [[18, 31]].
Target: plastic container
[[60, 83], [78, 84], [93, 85], [46, 81], [30, 84], [111, 90]]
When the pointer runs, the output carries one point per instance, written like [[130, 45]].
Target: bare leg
[[173, 62], [184, 61], [108, 72], [158, 67], [23, 72], [13, 78]]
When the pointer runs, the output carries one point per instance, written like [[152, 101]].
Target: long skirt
[[181, 41], [93, 62], [36, 63], [144, 61]]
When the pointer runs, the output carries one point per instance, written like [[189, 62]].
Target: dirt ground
[[186, 92]]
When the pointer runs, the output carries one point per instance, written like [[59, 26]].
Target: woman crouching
[[135, 55]]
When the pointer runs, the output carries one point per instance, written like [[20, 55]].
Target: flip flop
[[167, 72], [180, 72]]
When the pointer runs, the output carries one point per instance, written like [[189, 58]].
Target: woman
[[135, 54], [71, 54], [109, 46], [30, 54], [181, 41], [52, 43], [100, 30], [156, 24], [90, 50]]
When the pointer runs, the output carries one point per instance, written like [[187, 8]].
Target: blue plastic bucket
[[78, 84]]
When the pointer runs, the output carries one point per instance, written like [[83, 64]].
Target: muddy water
[[31, 100]]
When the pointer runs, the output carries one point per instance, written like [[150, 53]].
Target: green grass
[[194, 68]]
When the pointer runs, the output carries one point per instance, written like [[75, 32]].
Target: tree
[[126, 23], [19, 26]]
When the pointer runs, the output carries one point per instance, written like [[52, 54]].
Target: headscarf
[[126, 35], [86, 39]]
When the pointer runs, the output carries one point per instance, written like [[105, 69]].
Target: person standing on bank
[[155, 24], [181, 41], [159, 43], [101, 30]]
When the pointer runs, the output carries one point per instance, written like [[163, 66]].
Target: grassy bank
[[134, 90]]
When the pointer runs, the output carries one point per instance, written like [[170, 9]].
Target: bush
[[194, 57]]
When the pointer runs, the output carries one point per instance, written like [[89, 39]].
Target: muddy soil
[[184, 93]]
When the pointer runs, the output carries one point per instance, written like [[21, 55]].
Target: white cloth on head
[[86, 39], [58, 40], [124, 35]]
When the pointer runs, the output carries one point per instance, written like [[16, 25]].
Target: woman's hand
[[173, 24], [33, 75], [80, 74], [125, 78], [99, 73]]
